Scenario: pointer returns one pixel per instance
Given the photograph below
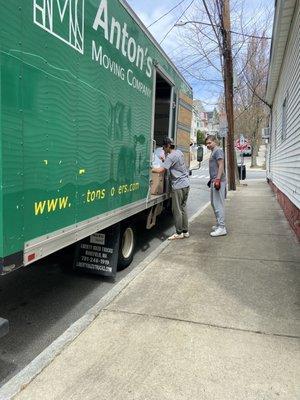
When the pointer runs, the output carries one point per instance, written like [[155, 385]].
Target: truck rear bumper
[[4, 327]]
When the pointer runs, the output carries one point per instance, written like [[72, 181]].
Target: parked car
[[248, 152]]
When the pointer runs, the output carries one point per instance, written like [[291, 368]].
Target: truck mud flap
[[4, 327], [98, 253]]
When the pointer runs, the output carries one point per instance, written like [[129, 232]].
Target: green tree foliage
[[200, 137]]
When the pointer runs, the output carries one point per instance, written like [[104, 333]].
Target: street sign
[[241, 145]]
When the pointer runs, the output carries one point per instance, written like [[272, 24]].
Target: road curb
[[36, 366]]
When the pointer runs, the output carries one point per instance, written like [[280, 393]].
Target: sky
[[150, 10]]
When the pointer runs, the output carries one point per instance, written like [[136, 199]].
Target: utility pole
[[228, 84]]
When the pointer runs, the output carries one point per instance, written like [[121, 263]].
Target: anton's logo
[[64, 19]]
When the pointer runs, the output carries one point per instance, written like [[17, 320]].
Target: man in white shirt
[[174, 162]]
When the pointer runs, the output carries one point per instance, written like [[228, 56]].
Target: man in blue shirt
[[180, 183], [217, 185]]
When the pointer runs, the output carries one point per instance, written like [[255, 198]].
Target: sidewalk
[[247, 163], [195, 163], [208, 318]]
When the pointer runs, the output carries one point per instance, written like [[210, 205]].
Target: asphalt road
[[41, 302]]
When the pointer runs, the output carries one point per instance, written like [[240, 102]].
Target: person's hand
[[217, 184]]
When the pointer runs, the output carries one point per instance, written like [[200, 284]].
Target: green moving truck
[[86, 93]]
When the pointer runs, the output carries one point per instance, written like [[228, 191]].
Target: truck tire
[[126, 248]]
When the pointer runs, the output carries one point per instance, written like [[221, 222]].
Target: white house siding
[[284, 152]]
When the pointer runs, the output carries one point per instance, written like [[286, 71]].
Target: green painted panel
[[11, 129], [76, 113], [1, 172]]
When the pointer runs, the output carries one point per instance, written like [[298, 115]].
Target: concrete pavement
[[208, 318]]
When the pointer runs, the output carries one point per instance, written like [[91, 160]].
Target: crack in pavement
[[203, 324]]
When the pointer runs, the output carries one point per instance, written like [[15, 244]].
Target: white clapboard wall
[[283, 162]]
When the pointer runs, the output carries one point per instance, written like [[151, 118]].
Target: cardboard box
[[157, 183]]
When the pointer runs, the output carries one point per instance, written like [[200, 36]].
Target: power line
[[177, 21], [168, 12], [218, 26]]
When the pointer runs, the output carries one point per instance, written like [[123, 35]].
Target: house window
[[284, 118]]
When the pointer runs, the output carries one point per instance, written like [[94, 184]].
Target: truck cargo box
[[79, 85]]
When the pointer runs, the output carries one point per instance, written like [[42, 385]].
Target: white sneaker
[[214, 227], [186, 234], [219, 232], [176, 236]]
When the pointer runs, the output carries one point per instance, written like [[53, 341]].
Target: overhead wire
[[211, 24], [217, 26], [172, 27], [164, 15]]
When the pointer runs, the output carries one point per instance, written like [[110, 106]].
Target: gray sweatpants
[[217, 199], [179, 199]]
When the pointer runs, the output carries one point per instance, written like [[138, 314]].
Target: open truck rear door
[[184, 119]]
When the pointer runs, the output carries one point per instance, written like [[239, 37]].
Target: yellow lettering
[[97, 194], [39, 207], [88, 196], [51, 204], [93, 195], [63, 202]]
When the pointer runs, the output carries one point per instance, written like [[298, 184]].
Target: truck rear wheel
[[126, 249]]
